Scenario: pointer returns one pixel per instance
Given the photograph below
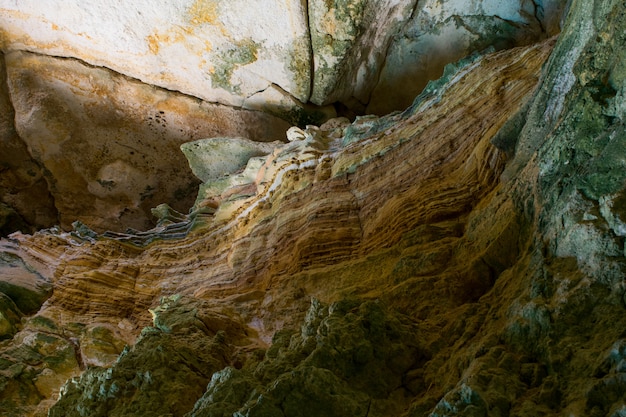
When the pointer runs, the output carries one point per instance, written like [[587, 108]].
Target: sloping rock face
[[93, 146], [464, 257]]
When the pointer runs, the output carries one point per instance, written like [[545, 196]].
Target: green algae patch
[[227, 61]]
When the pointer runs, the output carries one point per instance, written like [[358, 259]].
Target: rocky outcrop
[[463, 257], [314, 217], [224, 52], [167, 369], [85, 128]]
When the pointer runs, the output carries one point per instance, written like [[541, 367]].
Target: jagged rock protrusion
[[347, 358]]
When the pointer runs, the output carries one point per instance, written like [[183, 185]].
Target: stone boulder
[[218, 51]]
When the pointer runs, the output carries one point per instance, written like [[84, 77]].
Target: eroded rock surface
[[315, 217], [279, 55], [464, 257], [108, 146]]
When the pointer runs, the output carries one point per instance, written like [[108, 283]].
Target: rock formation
[[95, 106], [277, 55], [462, 257]]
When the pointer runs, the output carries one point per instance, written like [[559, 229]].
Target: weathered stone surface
[[25, 202], [166, 370], [279, 55], [454, 277], [27, 288], [9, 317], [102, 137], [213, 158], [378, 55], [32, 368], [317, 217], [218, 51], [439, 32], [348, 358], [349, 40], [292, 55]]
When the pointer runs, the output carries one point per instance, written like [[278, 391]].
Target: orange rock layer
[[325, 219]]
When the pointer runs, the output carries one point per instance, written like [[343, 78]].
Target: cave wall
[[463, 257], [95, 106]]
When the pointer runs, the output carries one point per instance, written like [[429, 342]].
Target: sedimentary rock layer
[[395, 266], [375, 209]]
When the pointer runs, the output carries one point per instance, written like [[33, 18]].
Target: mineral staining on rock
[[185, 46], [382, 267], [101, 138], [319, 51]]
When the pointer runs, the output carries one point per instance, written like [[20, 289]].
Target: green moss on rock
[[345, 357], [164, 373], [227, 61]]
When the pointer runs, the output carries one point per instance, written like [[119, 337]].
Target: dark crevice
[[131, 79], [12, 219], [537, 11], [311, 51], [401, 31]]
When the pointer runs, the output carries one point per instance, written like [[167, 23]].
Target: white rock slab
[[220, 51]]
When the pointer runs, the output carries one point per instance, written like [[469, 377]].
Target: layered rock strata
[[464, 257], [383, 208]]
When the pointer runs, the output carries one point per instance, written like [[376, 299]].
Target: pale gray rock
[[349, 43], [441, 32], [213, 158], [217, 51], [277, 56]]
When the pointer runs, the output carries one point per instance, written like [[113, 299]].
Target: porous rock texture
[[463, 257]]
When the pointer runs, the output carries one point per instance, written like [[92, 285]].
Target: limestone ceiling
[[258, 53]]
